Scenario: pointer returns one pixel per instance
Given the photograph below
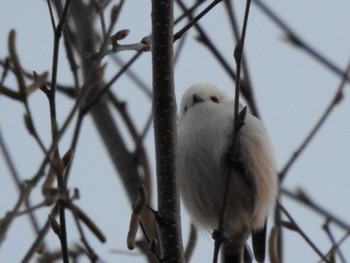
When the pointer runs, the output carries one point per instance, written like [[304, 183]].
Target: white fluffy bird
[[205, 131]]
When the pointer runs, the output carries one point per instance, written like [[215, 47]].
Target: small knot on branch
[[136, 216]]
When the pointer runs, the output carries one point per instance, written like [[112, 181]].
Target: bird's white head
[[198, 93]]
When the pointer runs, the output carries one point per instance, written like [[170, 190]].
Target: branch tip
[[55, 226]]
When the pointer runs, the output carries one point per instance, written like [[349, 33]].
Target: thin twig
[[38, 241], [238, 123], [298, 41], [205, 39], [238, 58], [302, 198], [136, 79], [51, 94], [106, 40], [247, 87], [190, 10], [69, 44], [273, 246], [17, 69], [335, 247], [24, 91], [303, 234], [29, 120], [179, 49], [334, 102], [110, 83], [68, 90], [53, 23], [5, 223], [136, 216], [100, 7], [180, 33], [85, 219], [9, 161], [192, 241], [339, 243], [6, 65]]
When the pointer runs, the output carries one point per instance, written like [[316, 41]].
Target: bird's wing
[[246, 184]]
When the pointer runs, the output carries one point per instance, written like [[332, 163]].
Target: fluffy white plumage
[[204, 134]]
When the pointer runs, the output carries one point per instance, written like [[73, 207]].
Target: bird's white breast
[[204, 134]]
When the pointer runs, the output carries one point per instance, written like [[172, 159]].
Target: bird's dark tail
[[232, 254]]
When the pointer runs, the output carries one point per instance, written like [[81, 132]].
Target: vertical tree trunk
[[164, 110]]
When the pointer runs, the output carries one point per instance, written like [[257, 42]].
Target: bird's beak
[[196, 99]]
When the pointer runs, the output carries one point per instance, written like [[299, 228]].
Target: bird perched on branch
[[207, 165]]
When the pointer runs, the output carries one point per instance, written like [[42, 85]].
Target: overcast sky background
[[292, 90]]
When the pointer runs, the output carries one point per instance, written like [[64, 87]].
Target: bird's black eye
[[196, 99], [214, 99], [185, 109]]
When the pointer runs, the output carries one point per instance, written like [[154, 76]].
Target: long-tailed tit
[[205, 132]]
